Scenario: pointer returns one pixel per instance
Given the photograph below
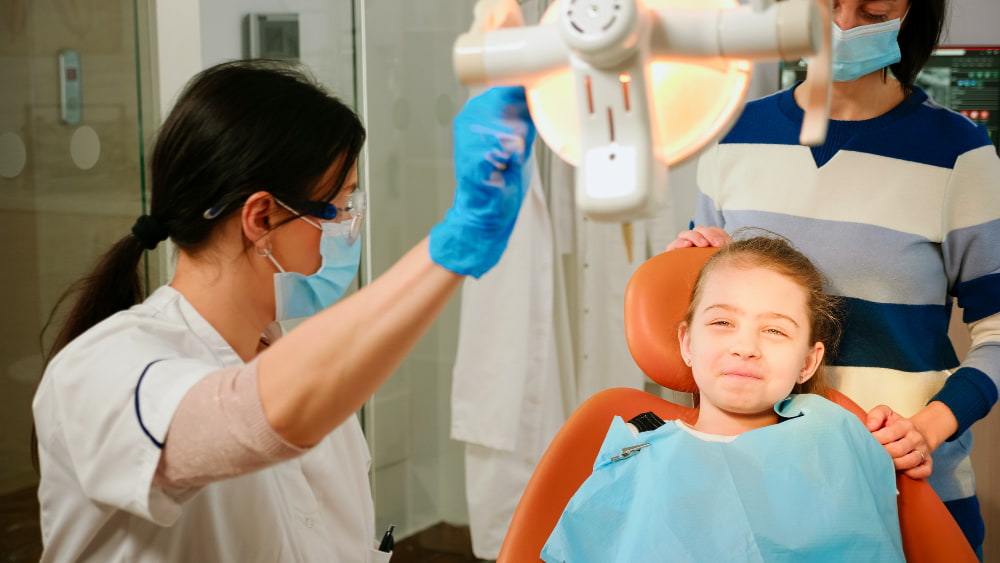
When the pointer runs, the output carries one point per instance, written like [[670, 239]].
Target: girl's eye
[[774, 331], [720, 323]]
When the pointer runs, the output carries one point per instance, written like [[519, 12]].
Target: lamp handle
[[818, 85], [499, 50]]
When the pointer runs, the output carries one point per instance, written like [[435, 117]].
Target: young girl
[[762, 475]]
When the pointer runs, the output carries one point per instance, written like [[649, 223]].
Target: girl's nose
[[745, 346]]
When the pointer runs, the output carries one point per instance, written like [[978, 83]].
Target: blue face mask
[[296, 295], [864, 49]]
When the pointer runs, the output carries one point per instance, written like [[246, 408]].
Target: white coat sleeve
[[112, 411]]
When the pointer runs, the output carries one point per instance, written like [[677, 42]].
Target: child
[[762, 475]]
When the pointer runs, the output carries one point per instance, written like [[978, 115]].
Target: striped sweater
[[902, 213]]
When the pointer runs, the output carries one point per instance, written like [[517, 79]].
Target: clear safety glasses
[[353, 212]]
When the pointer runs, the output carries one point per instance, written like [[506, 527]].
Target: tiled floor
[[20, 537]]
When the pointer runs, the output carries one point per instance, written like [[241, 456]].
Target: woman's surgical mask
[[297, 295], [864, 49]]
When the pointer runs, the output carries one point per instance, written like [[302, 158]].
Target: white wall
[[973, 23], [325, 35]]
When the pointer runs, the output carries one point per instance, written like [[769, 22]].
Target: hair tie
[[149, 231]]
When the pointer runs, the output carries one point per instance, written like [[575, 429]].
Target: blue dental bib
[[815, 487]]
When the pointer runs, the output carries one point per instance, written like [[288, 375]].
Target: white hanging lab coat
[[597, 272], [109, 396], [534, 342], [506, 400]]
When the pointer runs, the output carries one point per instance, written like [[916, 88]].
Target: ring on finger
[[923, 458]]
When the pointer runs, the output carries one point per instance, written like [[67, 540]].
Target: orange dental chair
[[656, 300]]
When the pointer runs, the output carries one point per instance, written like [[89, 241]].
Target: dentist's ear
[[255, 216], [813, 360]]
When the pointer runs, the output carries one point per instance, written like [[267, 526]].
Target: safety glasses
[[353, 212]]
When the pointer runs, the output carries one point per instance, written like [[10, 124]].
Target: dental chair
[[656, 300]]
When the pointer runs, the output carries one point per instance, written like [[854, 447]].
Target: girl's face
[[848, 14], [748, 341]]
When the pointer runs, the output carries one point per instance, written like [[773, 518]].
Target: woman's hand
[[700, 237], [493, 139], [910, 441], [908, 447]]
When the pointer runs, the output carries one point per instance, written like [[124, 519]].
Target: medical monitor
[[964, 79]]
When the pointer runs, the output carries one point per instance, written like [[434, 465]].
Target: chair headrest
[[656, 300]]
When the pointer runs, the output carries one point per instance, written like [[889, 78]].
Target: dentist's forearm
[[312, 379]]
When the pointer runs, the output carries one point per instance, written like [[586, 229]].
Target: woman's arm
[[312, 379], [971, 222]]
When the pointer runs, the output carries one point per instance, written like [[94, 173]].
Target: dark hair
[[237, 128], [918, 36], [778, 255]]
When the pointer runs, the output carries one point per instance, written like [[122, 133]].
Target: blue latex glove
[[493, 138]]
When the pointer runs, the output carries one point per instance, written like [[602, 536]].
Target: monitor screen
[[964, 79]]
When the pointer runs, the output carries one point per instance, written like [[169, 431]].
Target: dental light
[[625, 88]]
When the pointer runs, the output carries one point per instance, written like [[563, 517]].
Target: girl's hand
[[700, 237]]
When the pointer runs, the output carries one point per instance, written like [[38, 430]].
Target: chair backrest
[[656, 300]]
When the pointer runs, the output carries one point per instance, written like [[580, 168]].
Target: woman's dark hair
[[918, 36], [777, 254], [237, 128]]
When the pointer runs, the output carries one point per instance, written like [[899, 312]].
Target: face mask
[[864, 49], [296, 295]]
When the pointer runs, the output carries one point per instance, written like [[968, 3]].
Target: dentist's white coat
[[104, 406]]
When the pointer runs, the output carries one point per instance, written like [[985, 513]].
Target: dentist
[[172, 428]]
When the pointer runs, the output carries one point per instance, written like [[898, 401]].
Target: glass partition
[[410, 96], [72, 118]]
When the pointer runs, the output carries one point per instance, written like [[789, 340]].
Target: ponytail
[[113, 285]]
